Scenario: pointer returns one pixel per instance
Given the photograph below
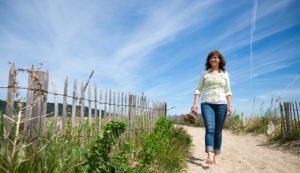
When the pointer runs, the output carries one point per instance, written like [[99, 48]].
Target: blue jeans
[[214, 116]]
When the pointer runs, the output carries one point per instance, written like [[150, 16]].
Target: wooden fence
[[102, 105], [290, 122]]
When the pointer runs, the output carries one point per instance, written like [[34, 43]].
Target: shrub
[[99, 156], [166, 148]]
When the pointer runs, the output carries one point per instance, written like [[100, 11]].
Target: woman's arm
[[229, 103], [195, 105], [197, 92]]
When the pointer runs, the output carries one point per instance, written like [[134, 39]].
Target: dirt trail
[[240, 153]]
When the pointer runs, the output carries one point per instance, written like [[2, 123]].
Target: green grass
[[163, 149]]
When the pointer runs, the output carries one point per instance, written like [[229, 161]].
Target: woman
[[214, 86]]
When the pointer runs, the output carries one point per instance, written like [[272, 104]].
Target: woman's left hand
[[229, 111]]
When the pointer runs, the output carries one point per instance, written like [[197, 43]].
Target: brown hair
[[222, 60]]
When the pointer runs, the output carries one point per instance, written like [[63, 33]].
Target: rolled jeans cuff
[[217, 151], [209, 149]]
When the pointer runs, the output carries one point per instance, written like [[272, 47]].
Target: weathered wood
[[141, 111], [36, 109], [134, 112], [298, 121], [126, 105], [114, 105], [82, 112], [294, 113], [166, 109], [118, 106], [74, 103], [110, 106], [64, 108], [148, 115], [96, 115], [10, 100], [122, 104], [153, 114], [282, 129], [105, 105], [130, 110], [138, 112], [90, 107], [44, 103], [28, 103], [100, 110], [55, 107], [287, 117]]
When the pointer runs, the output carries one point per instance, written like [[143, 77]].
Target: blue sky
[[158, 47]]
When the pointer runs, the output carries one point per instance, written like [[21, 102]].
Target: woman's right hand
[[194, 108]]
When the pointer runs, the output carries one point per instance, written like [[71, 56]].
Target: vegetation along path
[[241, 153]]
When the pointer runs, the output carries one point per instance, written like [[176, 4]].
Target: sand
[[241, 153]]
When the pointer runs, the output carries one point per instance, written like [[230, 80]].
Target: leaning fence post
[[10, 100]]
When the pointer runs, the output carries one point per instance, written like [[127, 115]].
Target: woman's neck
[[215, 69]]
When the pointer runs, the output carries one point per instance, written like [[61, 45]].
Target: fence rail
[[290, 121], [101, 105]]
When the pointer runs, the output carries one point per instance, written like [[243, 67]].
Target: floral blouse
[[214, 87]]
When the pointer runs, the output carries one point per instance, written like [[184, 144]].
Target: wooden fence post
[[96, 115], [283, 129], [109, 106], [54, 129], [74, 102], [29, 101], [166, 109], [64, 108], [298, 121], [35, 122], [287, 117], [10, 100], [114, 106], [126, 105], [44, 103], [100, 111], [90, 109], [130, 111], [294, 113], [105, 105], [118, 106], [82, 114]]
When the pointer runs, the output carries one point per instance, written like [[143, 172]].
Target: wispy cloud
[[154, 46]]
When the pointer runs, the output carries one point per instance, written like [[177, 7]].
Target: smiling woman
[[216, 102]]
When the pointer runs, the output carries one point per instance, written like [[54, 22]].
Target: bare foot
[[209, 158], [209, 161], [215, 159]]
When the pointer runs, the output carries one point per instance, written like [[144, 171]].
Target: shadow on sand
[[292, 147], [197, 162]]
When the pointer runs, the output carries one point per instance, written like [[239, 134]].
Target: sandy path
[[245, 153]]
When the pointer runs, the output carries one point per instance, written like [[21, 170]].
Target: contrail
[[251, 36], [291, 83]]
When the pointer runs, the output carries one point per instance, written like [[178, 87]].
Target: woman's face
[[214, 61]]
